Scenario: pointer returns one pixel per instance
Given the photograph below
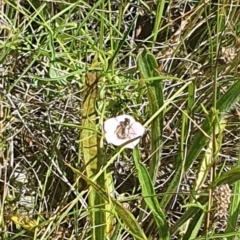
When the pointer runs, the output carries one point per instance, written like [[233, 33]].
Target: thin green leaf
[[121, 44], [219, 236], [194, 226], [229, 177], [148, 68], [157, 24], [149, 196]]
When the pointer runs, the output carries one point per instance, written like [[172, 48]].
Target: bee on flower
[[121, 129]]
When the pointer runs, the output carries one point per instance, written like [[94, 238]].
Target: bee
[[123, 129]]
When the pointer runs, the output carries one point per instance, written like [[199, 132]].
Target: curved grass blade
[[149, 196], [148, 67]]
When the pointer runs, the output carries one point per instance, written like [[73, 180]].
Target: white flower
[[120, 129]]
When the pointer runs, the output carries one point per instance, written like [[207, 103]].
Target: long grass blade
[[148, 68], [149, 196]]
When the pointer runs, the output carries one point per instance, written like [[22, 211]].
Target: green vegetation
[[68, 66]]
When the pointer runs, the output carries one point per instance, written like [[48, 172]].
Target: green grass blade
[[190, 213], [230, 177], [194, 226], [157, 24], [120, 45], [149, 196], [148, 68]]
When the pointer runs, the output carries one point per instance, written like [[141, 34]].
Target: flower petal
[[137, 129], [110, 125], [132, 144]]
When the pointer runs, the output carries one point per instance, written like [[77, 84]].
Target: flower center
[[122, 130]]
